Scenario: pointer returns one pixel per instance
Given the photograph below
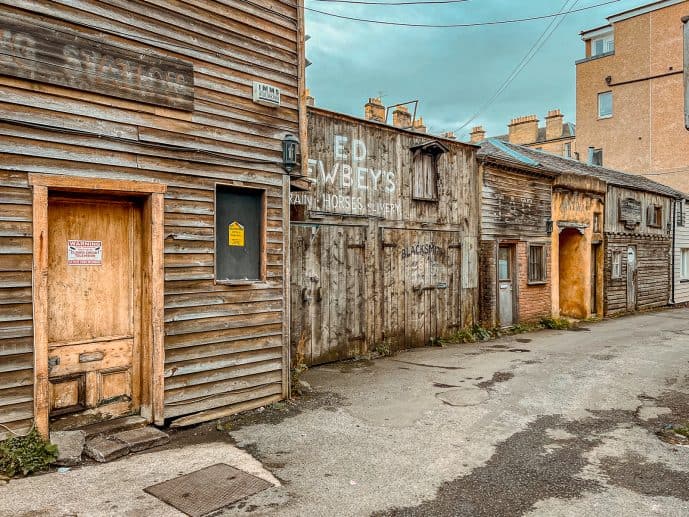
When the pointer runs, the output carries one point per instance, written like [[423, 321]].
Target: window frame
[[608, 40], [597, 152], [616, 254], [684, 276], [420, 156], [679, 208], [543, 277], [263, 221], [567, 151], [612, 107], [657, 220]]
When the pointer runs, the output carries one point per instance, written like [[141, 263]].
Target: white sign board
[[266, 94], [84, 253]]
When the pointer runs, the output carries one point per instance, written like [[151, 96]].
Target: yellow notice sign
[[236, 237]]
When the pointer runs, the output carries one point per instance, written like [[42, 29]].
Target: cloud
[[452, 72]]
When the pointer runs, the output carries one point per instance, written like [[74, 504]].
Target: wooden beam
[[157, 306], [72, 183], [40, 308]]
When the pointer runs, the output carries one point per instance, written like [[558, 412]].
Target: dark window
[[239, 215], [680, 213], [597, 157], [654, 216], [537, 263], [425, 176]]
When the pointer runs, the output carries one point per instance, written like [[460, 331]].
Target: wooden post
[[40, 313]]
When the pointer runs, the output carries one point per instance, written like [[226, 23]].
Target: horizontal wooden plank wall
[[225, 346], [514, 206], [653, 251], [653, 266], [681, 294]]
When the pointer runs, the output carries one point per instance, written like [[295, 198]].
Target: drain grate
[[207, 490]]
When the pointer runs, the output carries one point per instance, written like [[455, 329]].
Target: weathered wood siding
[[373, 266], [224, 345], [653, 251], [515, 206], [681, 287]]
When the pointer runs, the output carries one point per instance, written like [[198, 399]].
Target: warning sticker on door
[[236, 236], [84, 253]]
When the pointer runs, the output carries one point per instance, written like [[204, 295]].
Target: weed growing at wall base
[[24, 455]]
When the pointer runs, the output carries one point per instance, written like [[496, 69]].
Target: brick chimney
[[553, 125], [450, 135], [401, 117], [419, 126], [523, 130], [374, 110], [478, 134], [310, 101]]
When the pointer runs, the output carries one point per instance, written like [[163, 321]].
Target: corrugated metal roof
[[560, 165]]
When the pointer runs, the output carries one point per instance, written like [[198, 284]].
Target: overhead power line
[[456, 25], [364, 2], [538, 44]]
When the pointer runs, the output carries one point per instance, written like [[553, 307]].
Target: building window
[[568, 150], [680, 212], [602, 45], [654, 216], [239, 234], [425, 176], [616, 264], [596, 157], [537, 263], [605, 105], [597, 217], [684, 271]]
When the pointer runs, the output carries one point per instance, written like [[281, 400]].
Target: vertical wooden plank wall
[[393, 270], [224, 345]]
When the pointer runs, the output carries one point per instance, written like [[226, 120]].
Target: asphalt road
[[551, 423], [547, 423]]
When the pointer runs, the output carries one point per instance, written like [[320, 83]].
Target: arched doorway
[[573, 261]]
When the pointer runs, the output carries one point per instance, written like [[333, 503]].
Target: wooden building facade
[[384, 244], [144, 208], [611, 233], [680, 266], [515, 253]]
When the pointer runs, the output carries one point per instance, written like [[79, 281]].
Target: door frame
[[152, 299], [633, 278], [512, 247]]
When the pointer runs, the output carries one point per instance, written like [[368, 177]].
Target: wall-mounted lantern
[[549, 226], [290, 151]]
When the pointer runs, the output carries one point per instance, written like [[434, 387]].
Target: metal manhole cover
[[207, 490]]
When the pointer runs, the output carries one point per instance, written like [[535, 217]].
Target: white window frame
[[684, 264], [608, 44], [616, 265], [605, 115]]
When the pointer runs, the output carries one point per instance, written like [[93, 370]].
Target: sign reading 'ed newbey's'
[[63, 58]]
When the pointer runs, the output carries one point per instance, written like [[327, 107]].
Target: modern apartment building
[[630, 94]]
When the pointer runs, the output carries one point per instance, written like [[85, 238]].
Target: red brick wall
[[534, 300]]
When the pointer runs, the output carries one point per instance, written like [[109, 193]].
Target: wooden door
[[328, 292], [421, 285], [631, 278], [94, 311], [506, 285], [594, 278]]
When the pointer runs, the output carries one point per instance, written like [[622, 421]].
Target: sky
[[453, 72]]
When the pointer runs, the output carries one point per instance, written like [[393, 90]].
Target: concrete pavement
[[548, 423]]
